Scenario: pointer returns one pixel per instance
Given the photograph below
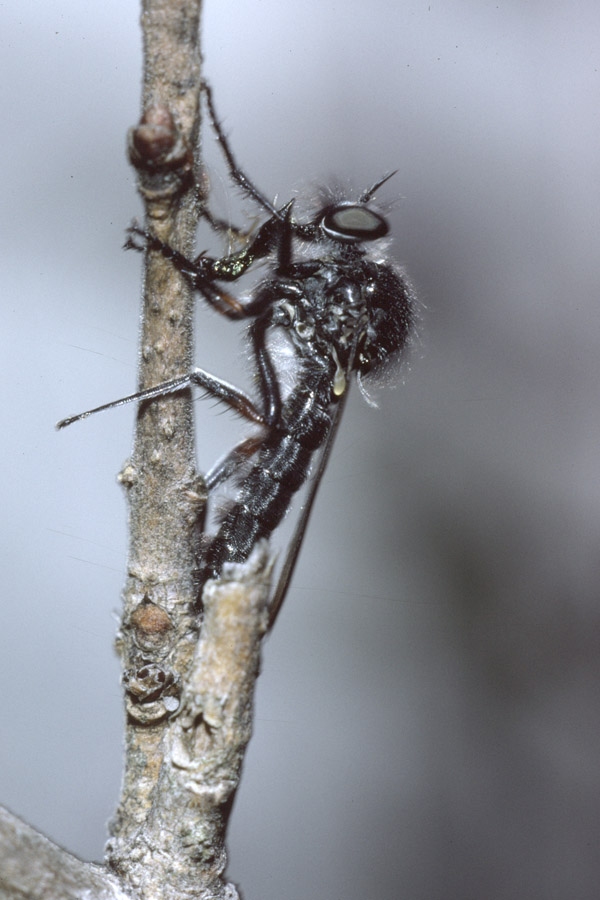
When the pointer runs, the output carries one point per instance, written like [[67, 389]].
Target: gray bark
[[33, 868], [189, 681]]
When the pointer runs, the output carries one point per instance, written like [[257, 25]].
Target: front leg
[[199, 272], [204, 271]]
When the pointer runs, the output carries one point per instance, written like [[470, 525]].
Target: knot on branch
[[151, 623], [152, 692], [161, 155]]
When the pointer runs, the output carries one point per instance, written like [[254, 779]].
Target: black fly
[[341, 307]]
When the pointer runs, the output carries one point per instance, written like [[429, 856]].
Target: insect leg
[[223, 225], [307, 232], [199, 271], [203, 271], [225, 467], [268, 383], [221, 390], [236, 173]]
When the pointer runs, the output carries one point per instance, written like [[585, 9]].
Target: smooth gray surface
[[428, 710]]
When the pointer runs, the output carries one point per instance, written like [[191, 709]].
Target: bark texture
[[189, 669], [189, 683], [33, 868]]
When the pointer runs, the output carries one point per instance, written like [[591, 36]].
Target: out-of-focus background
[[428, 712]]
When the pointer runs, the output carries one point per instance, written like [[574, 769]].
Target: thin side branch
[[33, 868]]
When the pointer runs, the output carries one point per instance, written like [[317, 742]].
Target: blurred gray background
[[427, 717]]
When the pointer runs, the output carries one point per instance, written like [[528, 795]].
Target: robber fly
[[341, 307]]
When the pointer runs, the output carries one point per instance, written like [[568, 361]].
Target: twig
[[189, 681], [33, 868], [188, 699]]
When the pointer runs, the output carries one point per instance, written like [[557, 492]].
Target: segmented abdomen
[[282, 466]]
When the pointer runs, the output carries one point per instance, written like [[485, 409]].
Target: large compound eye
[[353, 222]]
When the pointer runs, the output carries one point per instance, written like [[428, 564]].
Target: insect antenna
[[370, 193]]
